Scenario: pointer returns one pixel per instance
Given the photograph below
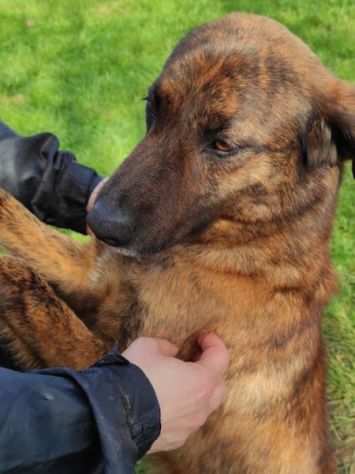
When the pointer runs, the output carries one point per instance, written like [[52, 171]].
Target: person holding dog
[[105, 418]]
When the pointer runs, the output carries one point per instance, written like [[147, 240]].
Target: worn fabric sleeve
[[97, 421]]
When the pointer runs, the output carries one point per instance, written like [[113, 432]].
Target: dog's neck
[[234, 277], [285, 251]]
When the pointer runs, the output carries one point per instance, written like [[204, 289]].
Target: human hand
[[94, 194], [188, 392]]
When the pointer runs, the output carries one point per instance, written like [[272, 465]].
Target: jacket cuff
[[63, 193], [140, 401], [124, 406]]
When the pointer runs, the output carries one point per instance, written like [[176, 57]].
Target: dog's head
[[244, 125]]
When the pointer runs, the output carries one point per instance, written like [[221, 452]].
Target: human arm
[[48, 181], [98, 420], [103, 419]]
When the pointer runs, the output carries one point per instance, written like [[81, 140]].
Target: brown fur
[[235, 244]]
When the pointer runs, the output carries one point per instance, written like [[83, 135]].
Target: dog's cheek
[[258, 171], [159, 235]]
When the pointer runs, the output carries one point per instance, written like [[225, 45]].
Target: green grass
[[80, 68]]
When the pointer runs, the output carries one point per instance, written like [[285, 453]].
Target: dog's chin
[[129, 252], [147, 252], [125, 252], [137, 254]]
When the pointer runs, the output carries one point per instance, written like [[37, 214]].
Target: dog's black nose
[[114, 226]]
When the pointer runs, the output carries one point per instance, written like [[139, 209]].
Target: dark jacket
[[58, 421]]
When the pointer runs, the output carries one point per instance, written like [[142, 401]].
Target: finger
[[94, 194], [166, 348], [214, 355]]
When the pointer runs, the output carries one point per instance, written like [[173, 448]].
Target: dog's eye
[[149, 112], [221, 145], [149, 119], [223, 148], [149, 115]]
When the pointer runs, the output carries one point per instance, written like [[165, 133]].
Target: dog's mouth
[[124, 251], [114, 248], [143, 250]]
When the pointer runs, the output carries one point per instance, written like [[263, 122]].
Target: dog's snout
[[112, 225]]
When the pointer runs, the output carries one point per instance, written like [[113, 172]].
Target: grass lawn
[[80, 69]]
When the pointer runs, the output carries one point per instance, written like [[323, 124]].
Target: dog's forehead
[[242, 54], [242, 67], [227, 83], [202, 81]]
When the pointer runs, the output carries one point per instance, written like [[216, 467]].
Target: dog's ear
[[340, 115]]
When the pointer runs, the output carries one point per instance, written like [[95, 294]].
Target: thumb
[[166, 348], [214, 355]]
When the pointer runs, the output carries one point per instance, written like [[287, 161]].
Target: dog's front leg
[[37, 329], [60, 260], [80, 274]]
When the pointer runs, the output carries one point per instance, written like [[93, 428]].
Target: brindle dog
[[221, 219]]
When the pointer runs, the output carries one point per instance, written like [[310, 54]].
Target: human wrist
[[139, 400], [143, 407]]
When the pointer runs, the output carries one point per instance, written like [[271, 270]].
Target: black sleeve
[[97, 421], [63, 192], [48, 181]]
